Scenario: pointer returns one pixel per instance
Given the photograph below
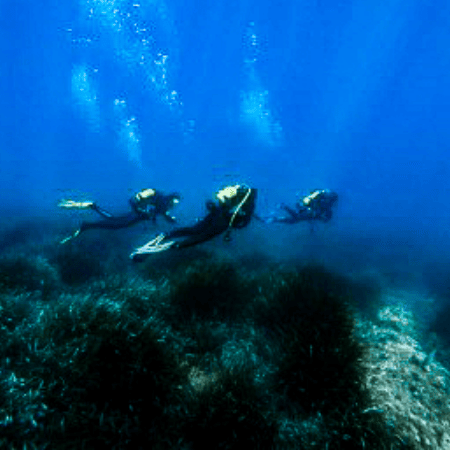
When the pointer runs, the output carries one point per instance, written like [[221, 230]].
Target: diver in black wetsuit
[[145, 205], [233, 208], [315, 206]]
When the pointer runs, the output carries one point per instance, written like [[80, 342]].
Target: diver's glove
[[70, 204], [154, 246]]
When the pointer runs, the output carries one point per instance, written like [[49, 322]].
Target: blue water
[[102, 98]]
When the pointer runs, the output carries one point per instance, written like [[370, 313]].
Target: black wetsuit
[[218, 220], [140, 211]]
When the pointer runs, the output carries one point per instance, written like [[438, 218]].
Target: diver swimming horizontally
[[233, 207], [145, 205], [317, 206]]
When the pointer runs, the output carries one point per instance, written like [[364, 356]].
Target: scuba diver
[[232, 208], [315, 206], [145, 205]]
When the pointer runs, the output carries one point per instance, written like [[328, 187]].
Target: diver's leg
[[113, 223], [203, 231], [193, 230]]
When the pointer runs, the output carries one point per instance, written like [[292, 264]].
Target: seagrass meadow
[[203, 349]]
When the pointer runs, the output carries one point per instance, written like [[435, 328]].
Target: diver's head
[[328, 197], [332, 197], [174, 199]]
